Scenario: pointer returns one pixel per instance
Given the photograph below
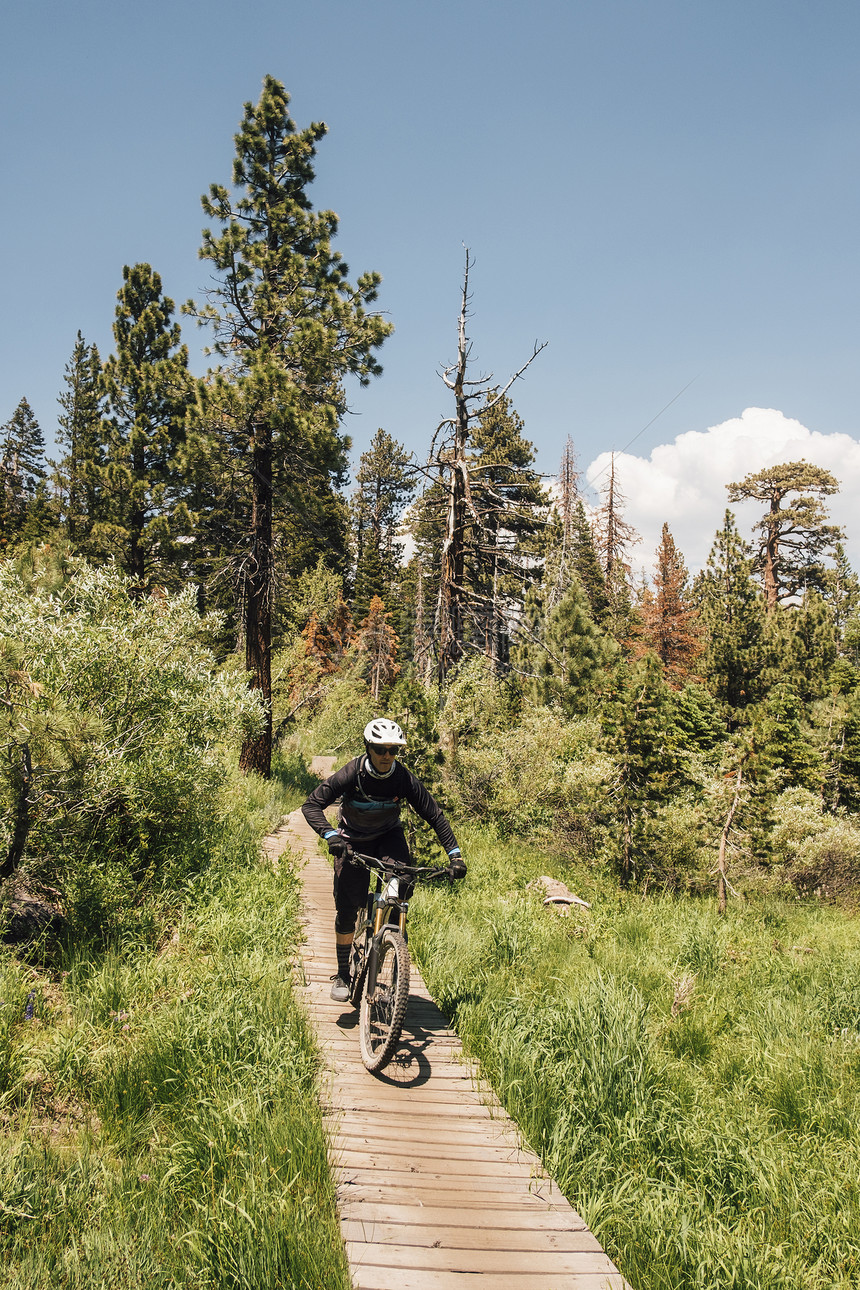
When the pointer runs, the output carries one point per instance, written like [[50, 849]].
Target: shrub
[[821, 853], [113, 752], [543, 775]]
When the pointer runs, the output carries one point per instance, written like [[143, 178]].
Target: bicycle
[[380, 956]]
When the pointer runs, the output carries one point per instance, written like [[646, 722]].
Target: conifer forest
[[202, 587]]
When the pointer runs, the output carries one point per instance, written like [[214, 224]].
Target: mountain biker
[[371, 788]]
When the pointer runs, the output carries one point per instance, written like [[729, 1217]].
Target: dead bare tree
[[450, 466], [568, 496]]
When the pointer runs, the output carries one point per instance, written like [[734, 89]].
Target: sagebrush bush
[[115, 745], [820, 852], [541, 775]]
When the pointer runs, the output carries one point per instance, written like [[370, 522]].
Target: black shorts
[[352, 882]]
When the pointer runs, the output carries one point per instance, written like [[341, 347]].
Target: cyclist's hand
[[338, 845], [457, 867]]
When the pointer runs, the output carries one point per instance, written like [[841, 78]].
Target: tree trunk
[[453, 543], [771, 558], [627, 848], [256, 753], [136, 523], [22, 777], [451, 589], [722, 882]]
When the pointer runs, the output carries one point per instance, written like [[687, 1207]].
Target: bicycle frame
[[387, 906]]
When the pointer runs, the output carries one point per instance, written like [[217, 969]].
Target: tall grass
[[159, 1109], [693, 1083]]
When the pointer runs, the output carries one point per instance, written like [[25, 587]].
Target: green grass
[[692, 1082], [159, 1112]]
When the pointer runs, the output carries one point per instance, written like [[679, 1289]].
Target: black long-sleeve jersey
[[370, 805]]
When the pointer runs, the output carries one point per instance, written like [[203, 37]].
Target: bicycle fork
[[385, 903]]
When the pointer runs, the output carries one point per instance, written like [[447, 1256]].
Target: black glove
[[457, 867], [338, 845]]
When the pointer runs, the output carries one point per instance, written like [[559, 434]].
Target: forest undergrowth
[[692, 1082], [158, 1105]]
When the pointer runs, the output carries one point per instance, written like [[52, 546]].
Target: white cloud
[[683, 484]]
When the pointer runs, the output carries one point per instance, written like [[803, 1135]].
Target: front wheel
[[358, 965], [382, 1016]]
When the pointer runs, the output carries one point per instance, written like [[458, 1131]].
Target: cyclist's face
[[382, 759]]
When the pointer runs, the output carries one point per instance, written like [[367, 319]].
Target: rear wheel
[[382, 1016]]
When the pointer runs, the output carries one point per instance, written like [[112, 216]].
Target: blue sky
[[665, 192]]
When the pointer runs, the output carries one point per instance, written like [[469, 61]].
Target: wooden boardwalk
[[434, 1187]]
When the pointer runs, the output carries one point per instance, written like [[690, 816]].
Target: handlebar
[[390, 868]]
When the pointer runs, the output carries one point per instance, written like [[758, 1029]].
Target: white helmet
[[383, 731]]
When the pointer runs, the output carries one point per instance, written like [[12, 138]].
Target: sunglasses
[[384, 751]]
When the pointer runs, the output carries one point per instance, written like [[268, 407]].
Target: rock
[[554, 892], [28, 919]]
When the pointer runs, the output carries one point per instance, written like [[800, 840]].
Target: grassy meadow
[[693, 1083]]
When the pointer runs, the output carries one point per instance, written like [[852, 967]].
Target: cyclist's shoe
[[339, 989]]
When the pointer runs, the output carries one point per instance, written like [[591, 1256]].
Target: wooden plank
[[400, 1123], [471, 1133], [372, 1232], [506, 1219], [421, 1180], [452, 1147], [434, 1049], [401, 1095], [381, 1277], [424, 1108], [408, 1073], [440, 1196], [346, 1099], [400, 1074], [476, 1164], [509, 1262]]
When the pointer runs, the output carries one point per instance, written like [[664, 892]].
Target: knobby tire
[[382, 1020]]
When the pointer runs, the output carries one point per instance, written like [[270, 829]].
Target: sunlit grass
[[692, 1082], [159, 1111]]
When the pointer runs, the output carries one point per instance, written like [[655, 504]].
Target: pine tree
[[385, 486], [843, 755], [613, 538], [377, 646], [289, 327], [793, 537], [587, 564], [24, 509], [507, 510], [781, 736], [559, 530], [148, 391], [325, 640], [669, 616], [799, 646], [562, 654], [568, 489], [372, 579], [81, 432], [732, 619], [841, 590], [638, 730]]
